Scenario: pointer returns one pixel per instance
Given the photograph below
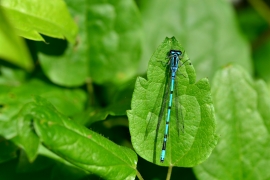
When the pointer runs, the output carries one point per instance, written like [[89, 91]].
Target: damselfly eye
[[171, 52], [175, 52]]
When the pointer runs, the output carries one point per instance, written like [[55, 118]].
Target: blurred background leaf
[[32, 18], [67, 101], [243, 149], [13, 48], [108, 45], [207, 29]]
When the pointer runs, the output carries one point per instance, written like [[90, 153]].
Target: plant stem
[[169, 173], [139, 175], [262, 8], [90, 91]]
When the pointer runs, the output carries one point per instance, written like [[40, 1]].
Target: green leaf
[[263, 102], [77, 144], [91, 115], [115, 41], [242, 112], [207, 29], [117, 97], [71, 68], [11, 76], [32, 18], [12, 47], [190, 147], [68, 102]]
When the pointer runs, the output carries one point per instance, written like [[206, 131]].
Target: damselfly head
[[175, 52]]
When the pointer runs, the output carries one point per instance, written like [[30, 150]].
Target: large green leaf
[[108, 46], [242, 112], [33, 17], [12, 47], [207, 29], [190, 147], [74, 143]]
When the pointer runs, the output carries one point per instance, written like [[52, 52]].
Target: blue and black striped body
[[174, 62]]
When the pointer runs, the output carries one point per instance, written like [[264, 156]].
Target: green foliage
[[197, 141], [107, 42], [205, 28], [66, 87], [31, 19], [62, 136], [12, 47], [242, 112], [67, 101]]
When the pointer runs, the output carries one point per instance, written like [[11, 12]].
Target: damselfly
[[174, 62]]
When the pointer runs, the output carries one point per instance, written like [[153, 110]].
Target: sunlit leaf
[[12, 47], [33, 17]]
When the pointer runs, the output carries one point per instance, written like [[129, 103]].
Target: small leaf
[[242, 112], [27, 138], [91, 115], [12, 76], [190, 147], [78, 145], [32, 18], [68, 69], [12, 47]]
